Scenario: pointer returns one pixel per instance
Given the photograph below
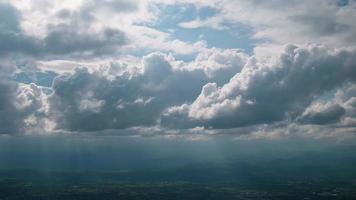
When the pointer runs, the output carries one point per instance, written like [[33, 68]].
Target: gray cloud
[[11, 37], [323, 115], [73, 39], [68, 40], [9, 17]]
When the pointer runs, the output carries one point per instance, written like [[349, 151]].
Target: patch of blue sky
[[44, 79], [234, 36], [206, 12], [224, 39]]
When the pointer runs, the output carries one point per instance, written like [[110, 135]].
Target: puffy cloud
[[22, 107], [339, 110], [219, 64], [104, 99], [269, 92], [346, 97], [120, 95], [176, 96], [321, 113]]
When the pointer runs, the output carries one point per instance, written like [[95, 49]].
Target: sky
[[178, 68]]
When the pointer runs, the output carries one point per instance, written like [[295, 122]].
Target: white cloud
[[268, 92], [22, 107], [102, 99]]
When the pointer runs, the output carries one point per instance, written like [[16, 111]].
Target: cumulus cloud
[[176, 96], [321, 113], [219, 64], [119, 96], [91, 101], [269, 92], [22, 107]]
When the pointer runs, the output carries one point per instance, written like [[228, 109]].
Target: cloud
[[11, 36], [321, 113], [105, 84], [73, 39], [120, 96], [99, 100], [339, 110], [281, 22], [116, 5], [176, 97], [220, 64], [322, 25], [75, 30], [22, 107], [68, 40], [9, 16], [269, 92]]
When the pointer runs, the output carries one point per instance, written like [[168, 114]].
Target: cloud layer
[[120, 67]]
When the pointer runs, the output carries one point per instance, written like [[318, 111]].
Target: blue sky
[[236, 36], [251, 69]]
